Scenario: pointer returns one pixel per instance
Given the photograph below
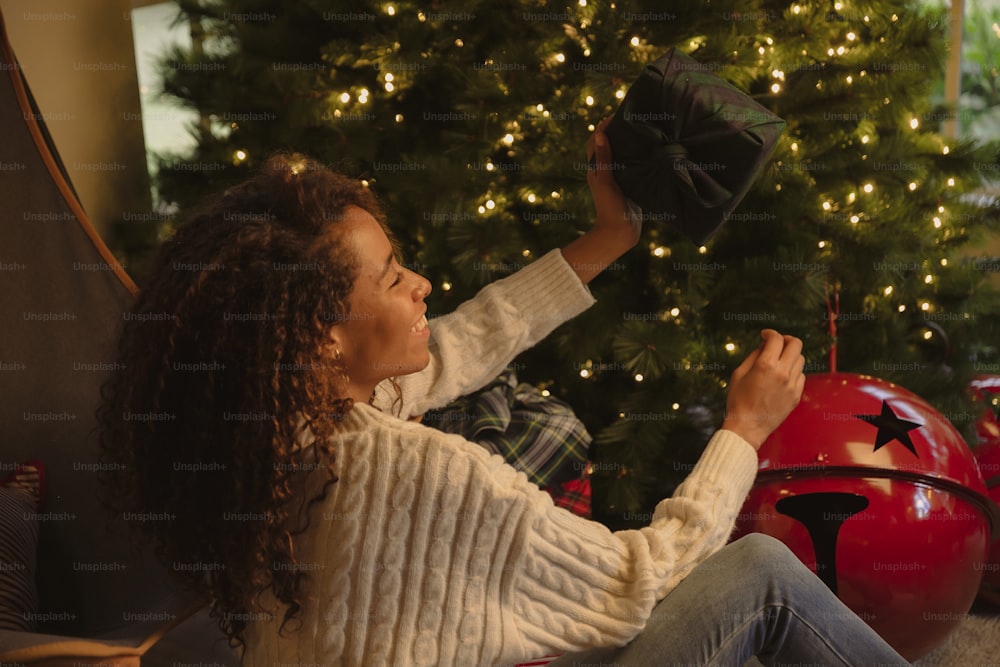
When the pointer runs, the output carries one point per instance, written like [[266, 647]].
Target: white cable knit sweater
[[429, 551]]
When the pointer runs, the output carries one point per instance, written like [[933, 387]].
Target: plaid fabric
[[538, 435]]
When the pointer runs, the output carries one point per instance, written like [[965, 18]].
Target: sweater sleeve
[[470, 346], [581, 586]]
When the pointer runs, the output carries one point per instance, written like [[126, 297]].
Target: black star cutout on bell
[[891, 427]]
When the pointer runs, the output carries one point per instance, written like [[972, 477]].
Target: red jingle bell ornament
[[878, 493], [986, 390], [988, 458]]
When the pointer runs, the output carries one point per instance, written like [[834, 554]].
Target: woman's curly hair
[[223, 359]]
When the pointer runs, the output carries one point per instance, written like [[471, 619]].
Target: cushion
[[18, 550]]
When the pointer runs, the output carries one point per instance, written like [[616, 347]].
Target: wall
[[78, 58]]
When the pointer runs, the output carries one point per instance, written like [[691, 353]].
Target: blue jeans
[[752, 598]]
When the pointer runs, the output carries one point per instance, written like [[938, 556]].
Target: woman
[[268, 370]]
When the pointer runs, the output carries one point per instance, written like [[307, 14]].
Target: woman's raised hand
[[765, 388]]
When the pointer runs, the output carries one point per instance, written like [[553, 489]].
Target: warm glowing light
[[912, 186], [795, 147], [865, 139], [944, 261], [821, 244], [702, 250], [390, 10], [775, 88], [658, 251], [850, 79], [676, 406], [481, 209], [937, 222], [638, 377], [928, 334], [796, 9], [620, 94], [928, 279], [508, 139], [345, 97], [730, 347], [531, 198], [851, 197], [446, 286], [868, 187], [459, 43], [490, 204], [240, 155], [851, 36], [950, 182], [560, 58], [675, 311], [944, 150], [399, 118], [887, 291], [585, 373], [827, 206], [634, 41], [902, 308], [914, 123], [924, 305], [855, 219], [389, 87], [589, 100]]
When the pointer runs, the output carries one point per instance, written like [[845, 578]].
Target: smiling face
[[385, 335]]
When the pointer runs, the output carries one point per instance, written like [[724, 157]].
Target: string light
[[675, 311], [345, 97], [589, 100], [868, 187], [928, 279], [508, 139], [390, 10], [914, 123], [639, 377], [399, 118], [730, 347], [950, 182], [912, 186], [887, 291], [634, 41]]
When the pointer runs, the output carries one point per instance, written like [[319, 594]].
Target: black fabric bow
[[687, 145]]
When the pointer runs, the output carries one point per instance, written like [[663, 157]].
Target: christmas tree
[[469, 119]]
